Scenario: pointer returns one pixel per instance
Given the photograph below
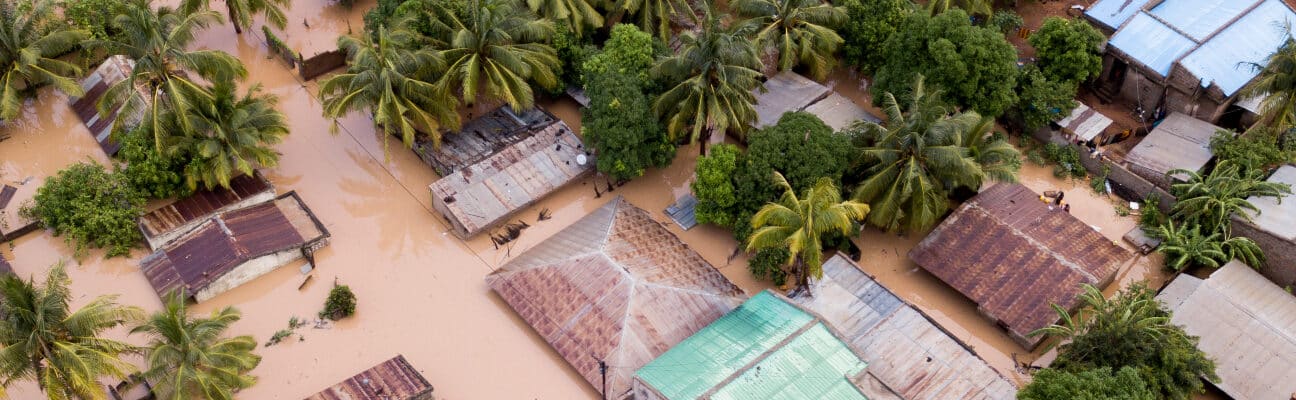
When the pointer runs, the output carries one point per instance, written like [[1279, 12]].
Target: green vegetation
[[1006, 21], [800, 31], [154, 174], [1255, 150], [240, 12], [710, 78], [1041, 100], [94, 16], [189, 358], [1094, 384], [1276, 84], [1209, 200], [798, 223], [91, 207], [654, 16], [980, 8], [1187, 245], [770, 264], [1130, 330], [868, 26], [341, 303], [714, 186], [619, 125], [628, 51], [576, 14], [43, 340], [1067, 50], [1065, 160], [495, 52], [232, 135], [30, 44]]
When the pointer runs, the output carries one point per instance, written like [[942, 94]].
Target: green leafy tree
[[1041, 100], [495, 52], [980, 8], [714, 186], [43, 340], [341, 303], [801, 147], [94, 16], [868, 25], [1255, 150], [190, 358], [152, 173], [240, 12], [232, 136], [1067, 50], [1006, 21], [1276, 85], [798, 224], [628, 51], [801, 31], [654, 16], [1133, 330], [92, 207], [1094, 384], [1186, 245], [619, 126], [390, 77], [711, 78], [998, 159], [578, 14], [769, 264], [975, 66], [1210, 200], [915, 160], [30, 42], [573, 51]]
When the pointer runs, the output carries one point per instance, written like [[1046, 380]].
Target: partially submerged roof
[[201, 256], [840, 112], [909, 356], [114, 69], [482, 195], [615, 286], [785, 92], [1246, 324], [1084, 122], [202, 204], [767, 348], [1178, 142], [394, 379], [482, 137], [1008, 252], [1277, 215]]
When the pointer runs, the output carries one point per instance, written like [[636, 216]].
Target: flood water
[[420, 289]]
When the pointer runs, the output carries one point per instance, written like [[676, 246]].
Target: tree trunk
[[229, 8], [803, 277]]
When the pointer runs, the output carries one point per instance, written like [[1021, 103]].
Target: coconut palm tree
[[41, 339], [29, 42], [713, 74], [1186, 246], [654, 16], [189, 358], [495, 52], [801, 31], [578, 14], [231, 135], [919, 156], [797, 223], [1210, 200], [1276, 84], [982, 8], [240, 12], [998, 159], [161, 81], [390, 77]]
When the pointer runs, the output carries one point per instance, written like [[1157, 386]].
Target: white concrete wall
[[248, 271]]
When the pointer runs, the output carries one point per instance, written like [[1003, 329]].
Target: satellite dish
[[581, 159]]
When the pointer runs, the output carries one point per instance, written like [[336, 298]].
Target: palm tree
[[796, 224], [495, 52], [41, 339], [1210, 200], [1276, 84], [654, 16], [389, 76], [240, 12], [188, 358], [713, 73], [230, 136], [920, 156], [1186, 246], [161, 81], [29, 42], [577, 13], [800, 30], [983, 8]]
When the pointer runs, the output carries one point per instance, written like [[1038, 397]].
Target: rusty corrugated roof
[[615, 286], [394, 379], [202, 204], [1013, 256], [114, 69], [481, 137]]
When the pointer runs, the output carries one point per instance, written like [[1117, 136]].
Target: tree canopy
[[30, 43], [1041, 100], [619, 125], [1094, 384], [628, 51], [710, 78], [801, 32], [798, 224], [1067, 50], [868, 25], [92, 207]]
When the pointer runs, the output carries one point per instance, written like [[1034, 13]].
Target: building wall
[[1280, 254], [248, 271], [457, 228], [163, 238]]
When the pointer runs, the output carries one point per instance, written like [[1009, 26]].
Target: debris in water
[[544, 215]]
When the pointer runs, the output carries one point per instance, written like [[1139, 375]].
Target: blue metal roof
[[1152, 43], [1199, 18], [1113, 13], [1251, 39]]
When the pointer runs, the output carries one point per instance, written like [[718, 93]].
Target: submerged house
[[1273, 228], [113, 70], [788, 91], [163, 225], [615, 287], [499, 164], [394, 379], [1014, 256], [1246, 324], [767, 348], [1189, 56], [234, 247], [1178, 142]]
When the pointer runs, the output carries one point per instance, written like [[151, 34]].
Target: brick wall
[[1280, 254]]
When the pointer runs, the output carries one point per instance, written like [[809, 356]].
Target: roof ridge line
[[669, 287], [1037, 244], [1248, 311], [768, 352], [502, 271]]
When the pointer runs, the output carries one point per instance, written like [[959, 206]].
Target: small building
[[909, 355], [785, 92], [767, 348], [1246, 324], [1178, 142], [1014, 256], [164, 224], [1084, 123], [615, 287], [1273, 228], [12, 224], [394, 379], [840, 112], [503, 164], [1188, 56], [234, 247], [113, 70]]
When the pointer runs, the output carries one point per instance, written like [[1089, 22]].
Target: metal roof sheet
[[785, 92], [1152, 43], [1277, 215], [1179, 141], [1113, 13], [1199, 18], [394, 379], [1225, 58], [1085, 122]]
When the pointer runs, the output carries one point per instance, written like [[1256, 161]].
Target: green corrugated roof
[[814, 364]]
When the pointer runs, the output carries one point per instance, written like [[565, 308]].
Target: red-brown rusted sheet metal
[[202, 204], [394, 379]]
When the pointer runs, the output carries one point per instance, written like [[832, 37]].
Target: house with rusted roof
[[394, 379], [615, 287], [114, 69], [1246, 324], [164, 224], [1014, 256], [234, 247], [501, 163]]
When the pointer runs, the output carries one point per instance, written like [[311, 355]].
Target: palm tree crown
[[800, 30], [797, 223], [578, 14], [188, 358], [1210, 200], [240, 12], [231, 135], [29, 41], [714, 73], [495, 52], [41, 339], [654, 16]]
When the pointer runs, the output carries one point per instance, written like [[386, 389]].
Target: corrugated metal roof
[[1084, 122], [1246, 324], [840, 112], [1277, 215], [394, 379], [1199, 18], [1179, 141], [1113, 13], [1008, 252], [202, 204], [481, 137], [767, 348], [616, 286], [114, 69], [1152, 43], [1223, 60], [784, 92]]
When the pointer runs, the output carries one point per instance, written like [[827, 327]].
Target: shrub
[[1067, 50], [1006, 21], [1099, 183], [154, 175], [1094, 384], [1255, 150], [1150, 216], [621, 128], [1066, 161], [91, 207], [340, 304], [768, 264], [94, 16], [870, 23]]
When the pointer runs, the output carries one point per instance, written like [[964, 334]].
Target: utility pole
[[603, 372]]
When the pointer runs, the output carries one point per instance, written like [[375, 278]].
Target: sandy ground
[[421, 291]]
